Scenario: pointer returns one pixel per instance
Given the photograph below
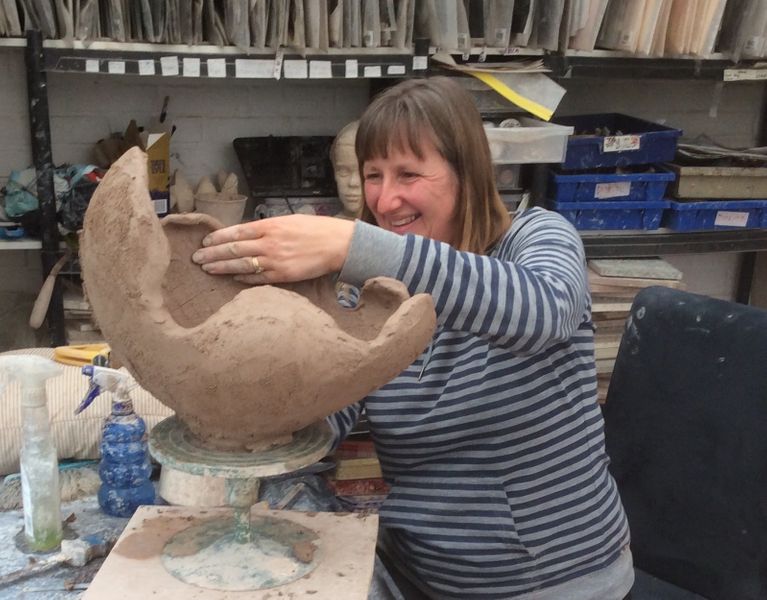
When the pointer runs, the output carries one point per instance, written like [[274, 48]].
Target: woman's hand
[[277, 249]]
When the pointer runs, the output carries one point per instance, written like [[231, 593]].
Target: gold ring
[[257, 268]]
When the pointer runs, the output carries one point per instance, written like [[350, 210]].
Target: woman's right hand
[[278, 249]]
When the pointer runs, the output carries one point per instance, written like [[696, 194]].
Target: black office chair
[[686, 430]]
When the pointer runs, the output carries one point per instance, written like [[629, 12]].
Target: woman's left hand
[[277, 249]]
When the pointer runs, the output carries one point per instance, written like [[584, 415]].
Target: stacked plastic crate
[[724, 192], [612, 177], [519, 142]]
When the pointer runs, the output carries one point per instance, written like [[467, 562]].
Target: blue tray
[[12, 232], [640, 142], [716, 214], [607, 214], [626, 187]]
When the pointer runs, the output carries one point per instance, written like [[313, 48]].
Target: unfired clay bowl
[[242, 366]]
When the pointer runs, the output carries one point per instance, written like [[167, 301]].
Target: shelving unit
[[210, 62], [652, 243], [226, 63], [21, 244]]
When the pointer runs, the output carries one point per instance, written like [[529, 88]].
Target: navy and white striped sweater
[[492, 440]]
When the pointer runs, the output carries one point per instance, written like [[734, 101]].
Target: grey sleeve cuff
[[374, 252]]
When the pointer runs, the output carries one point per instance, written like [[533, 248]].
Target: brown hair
[[440, 109]]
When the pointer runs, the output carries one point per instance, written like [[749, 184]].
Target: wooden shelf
[[228, 62], [21, 244], [613, 244]]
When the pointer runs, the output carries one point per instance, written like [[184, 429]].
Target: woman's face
[[411, 195]]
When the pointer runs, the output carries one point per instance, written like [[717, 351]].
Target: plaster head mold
[[346, 171], [244, 367]]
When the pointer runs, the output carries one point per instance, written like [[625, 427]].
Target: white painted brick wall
[[208, 116], [20, 271]]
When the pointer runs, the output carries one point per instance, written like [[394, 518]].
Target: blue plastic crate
[[716, 214], [590, 186], [640, 142], [606, 214]]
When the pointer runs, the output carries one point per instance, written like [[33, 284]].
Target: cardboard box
[[158, 163]]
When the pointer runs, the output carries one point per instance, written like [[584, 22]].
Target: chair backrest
[[686, 432]]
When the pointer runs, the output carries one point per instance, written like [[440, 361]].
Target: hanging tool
[[40, 307]]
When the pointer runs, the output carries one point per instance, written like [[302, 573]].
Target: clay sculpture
[[242, 366]]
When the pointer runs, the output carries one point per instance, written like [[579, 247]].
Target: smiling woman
[[434, 124], [492, 439]]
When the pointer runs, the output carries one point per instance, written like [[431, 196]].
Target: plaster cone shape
[[205, 186], [230, 185], [242, 366], [181, 194]]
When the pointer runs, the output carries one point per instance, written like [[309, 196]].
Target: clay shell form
[[242, 366]]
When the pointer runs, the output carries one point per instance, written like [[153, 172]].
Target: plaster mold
[[242, 366]]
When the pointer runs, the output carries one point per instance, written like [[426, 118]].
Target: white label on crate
[[116, 67], [351, 68], [146, 66], [191, 66], [92, 65], [296, 69], [254, 68], [169, 65], [612, 190], [621, 143], [395, 70], [372, 71], [730, 218], [216, 67], [320, 69]]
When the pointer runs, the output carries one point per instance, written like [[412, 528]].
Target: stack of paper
[[10, 25], [651, 27], [744, 29], [516, 23], [585, 20], [613, 284]]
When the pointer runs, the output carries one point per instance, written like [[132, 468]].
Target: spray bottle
[[124, 468], [41, 497]]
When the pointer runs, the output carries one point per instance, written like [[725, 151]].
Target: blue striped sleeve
[[527, 295]]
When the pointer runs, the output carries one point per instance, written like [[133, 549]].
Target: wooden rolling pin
[[40, 308]]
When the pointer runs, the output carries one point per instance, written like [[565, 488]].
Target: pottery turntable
[[243, 367], [241, 549]]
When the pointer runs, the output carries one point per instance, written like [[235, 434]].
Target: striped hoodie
[[492, 440]]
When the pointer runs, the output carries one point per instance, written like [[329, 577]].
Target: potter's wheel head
[[241, 366]]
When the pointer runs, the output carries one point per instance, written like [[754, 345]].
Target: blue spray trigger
[[93, 390]]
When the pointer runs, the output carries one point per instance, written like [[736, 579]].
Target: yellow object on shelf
[[79, 355], [358, 468]]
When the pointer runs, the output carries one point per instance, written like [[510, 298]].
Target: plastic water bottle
[[124, 469], [41, 497]]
